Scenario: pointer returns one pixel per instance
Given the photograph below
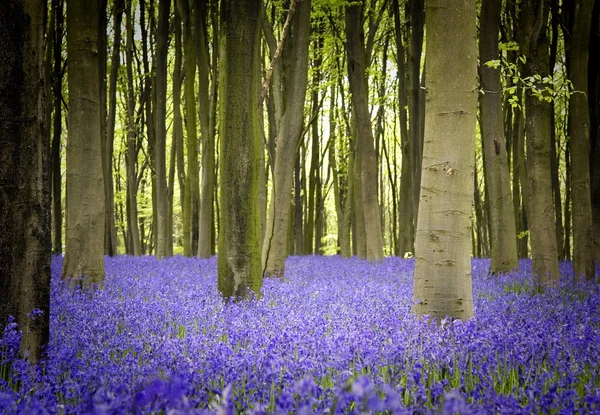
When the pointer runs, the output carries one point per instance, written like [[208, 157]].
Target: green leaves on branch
[[545, 88]]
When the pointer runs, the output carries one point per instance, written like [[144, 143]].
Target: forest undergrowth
[[335, 336]]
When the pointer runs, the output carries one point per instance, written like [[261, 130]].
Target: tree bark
[[25, 244], [84, 252], [274, 249], [162, 208], [208, 137], [57, 222], [504, 243], [239, 261], [110, 242], [192, 202], [579, 132], [594, 103], [368, 167], [133, 232], [443, 239], [540, 211]]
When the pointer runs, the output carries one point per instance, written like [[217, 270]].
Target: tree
[[504, 241], [274, 248], [84, 251], [357, 64], [443, 237], [239, 262], [162, 210], [540, 213], [191, 202], [111, 231], [24, 175], [579, 131]]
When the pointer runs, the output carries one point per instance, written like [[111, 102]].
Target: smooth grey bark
[[540, 212], [162, 208], [84, 251], [239, 260], [25, 244], [110, 242], [443, 238], [206, 227], [133, 231], [57, 78], [579, 131], [357, 78], [503, 233], [274, 247]]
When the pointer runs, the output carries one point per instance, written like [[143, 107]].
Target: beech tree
[[239, 262], [540, 212], [443, 237], [84, 251], [24, 175], [504, 237]]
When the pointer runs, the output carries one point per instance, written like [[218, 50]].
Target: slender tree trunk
[[540, 212], [568, 204], [135, 245], [177, 119], [191, 203], [368, 167], [25, 244], [416, 102], [208, 139], [57, 221], [579, 132], [110, 242], [290, 128], [443, 241], [504, 244], [162, 190], [239, 267], [84, 251], [298, 208]]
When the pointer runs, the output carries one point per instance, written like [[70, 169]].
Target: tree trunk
[[540, 211], [290, 128], [579, 132], [162, 208], [177, 119], [208, 138], [110, 242], [504, 243], [57, 221], [568, 204], [133, 232], [24, 175], [239, 262], [84, 252], [443, 241], [298, 208], [192, 202], [594, 103], [368, 167]]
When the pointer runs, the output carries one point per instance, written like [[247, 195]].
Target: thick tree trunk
[[110, 242], [443, 241], [239, 268], [274, 249], [594, 103], [540, 211], [162, 208], [84, 252], [579, 131], [504, 243], [360, 101], [24, 175]]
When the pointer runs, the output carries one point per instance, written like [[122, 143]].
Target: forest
[[299, 206]]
